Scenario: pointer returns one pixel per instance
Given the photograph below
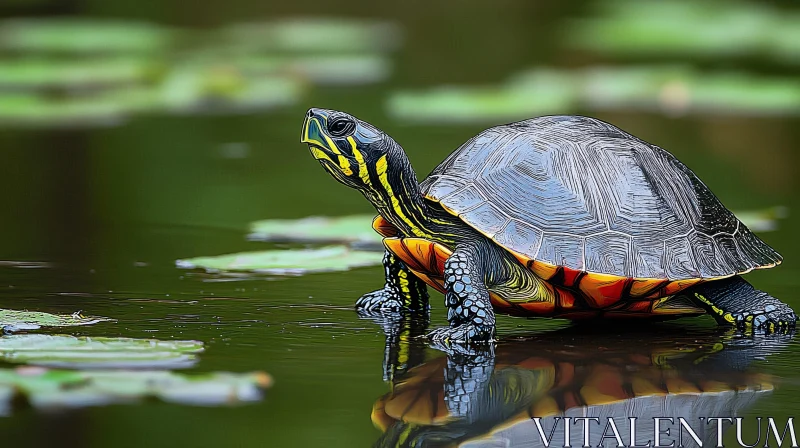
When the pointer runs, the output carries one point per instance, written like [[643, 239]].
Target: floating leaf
[[671, 89], [679, 90], [286, 262], [77, 73], [24, 264], [680, 27], [81, 36], [33, 109], [318, 229], [47, 389], [765, 220], [64, 351], [340, 69], [330, 69], [14, 320], [193, 89], [531, 94], [315, 35], [48, 73]]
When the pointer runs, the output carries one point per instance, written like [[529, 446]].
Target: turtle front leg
[[403, 291], [469, 309]]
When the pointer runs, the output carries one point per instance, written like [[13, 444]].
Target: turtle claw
[[380, 302], [463, 351], [461, 334], [773, 318]]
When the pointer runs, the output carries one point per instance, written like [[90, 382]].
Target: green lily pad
[[286, 262], [527, 95], [315, 35], [332, 69], [91, 73], [189, 92], [670, 89], [681, 27], [79, 36], [64, 351], [765, 220], [679, 90], [47, 73], [199, 86], [318, 229], [36, 110], [14, 320], [50, 389]]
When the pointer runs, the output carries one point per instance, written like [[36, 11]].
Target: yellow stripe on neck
[[363, 172], [344, 164], [380, 167]]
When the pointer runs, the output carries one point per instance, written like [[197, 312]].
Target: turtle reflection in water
[[487, 399], [559, 216]]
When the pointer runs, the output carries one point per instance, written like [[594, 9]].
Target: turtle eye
[[341, 127]]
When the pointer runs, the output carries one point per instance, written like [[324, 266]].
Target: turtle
[[559, 216]]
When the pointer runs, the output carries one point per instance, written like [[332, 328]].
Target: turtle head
[[363, 157], [354, 152]]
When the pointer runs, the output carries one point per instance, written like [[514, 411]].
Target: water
[[111, 210]]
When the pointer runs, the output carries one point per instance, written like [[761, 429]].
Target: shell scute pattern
[[580, 193], [609, 252], [467, 198], [488, 217], [519, 237], [562, 250]]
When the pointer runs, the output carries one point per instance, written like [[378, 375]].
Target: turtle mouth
[[313, 148], [320, 153], [330, 166]]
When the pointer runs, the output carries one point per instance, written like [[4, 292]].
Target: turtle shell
[[585, 204]]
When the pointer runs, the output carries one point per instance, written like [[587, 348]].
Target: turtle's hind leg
[[403, 291], [734, 301]]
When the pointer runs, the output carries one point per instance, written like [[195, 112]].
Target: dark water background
[[112, 209]]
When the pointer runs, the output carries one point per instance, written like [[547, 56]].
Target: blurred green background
[[137, 133]]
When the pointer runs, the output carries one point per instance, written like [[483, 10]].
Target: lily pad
[[214, 86], [14, 320], [24, 109], [286, 262], [315, 35], [765, 220], [64, 351], [52, 389], [318, 229], [75, 36], [671, 89], [47, 73], [67, 72], [333, 69], [531, 94], [681, 27], [680, 90]]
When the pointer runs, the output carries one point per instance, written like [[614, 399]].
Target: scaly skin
[[469, 309], [734, 301], [403, 291]]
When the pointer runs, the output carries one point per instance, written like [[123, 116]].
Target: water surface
[[110, 210]]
